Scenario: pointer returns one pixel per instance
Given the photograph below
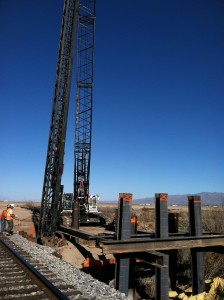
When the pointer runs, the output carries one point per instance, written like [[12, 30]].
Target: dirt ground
[[68, 252], [23, 217]]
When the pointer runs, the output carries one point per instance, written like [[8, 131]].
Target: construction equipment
[[89, 207], [78, 24], [88, 210]]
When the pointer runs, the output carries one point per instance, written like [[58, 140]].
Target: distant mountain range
[[206, 199]]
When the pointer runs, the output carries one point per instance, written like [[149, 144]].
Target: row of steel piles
[[166, 262]]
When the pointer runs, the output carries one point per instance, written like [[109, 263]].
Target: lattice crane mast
[[84, 94], [78, 21]]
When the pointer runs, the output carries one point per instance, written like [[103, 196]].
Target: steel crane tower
[[84, 95], [78, 25]]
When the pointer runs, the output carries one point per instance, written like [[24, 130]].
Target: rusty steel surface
[[171, 243]]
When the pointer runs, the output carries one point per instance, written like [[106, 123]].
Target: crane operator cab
[[92, 203], [88, 208]]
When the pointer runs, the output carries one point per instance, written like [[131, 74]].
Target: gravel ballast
[[90, 287]]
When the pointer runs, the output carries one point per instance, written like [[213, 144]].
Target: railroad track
[[24, 278]]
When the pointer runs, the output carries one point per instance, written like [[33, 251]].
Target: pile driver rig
[[77, 32]]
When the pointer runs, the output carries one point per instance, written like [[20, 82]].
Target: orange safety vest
[[3, 215], [9, 213]]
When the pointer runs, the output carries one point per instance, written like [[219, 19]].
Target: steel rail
[[51, 290]]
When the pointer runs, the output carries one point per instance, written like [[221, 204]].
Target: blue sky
[[158, 97]]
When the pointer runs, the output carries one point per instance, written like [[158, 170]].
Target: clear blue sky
[[158, 97]]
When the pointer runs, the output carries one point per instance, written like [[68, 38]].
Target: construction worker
[[9, 219], [3, 219]]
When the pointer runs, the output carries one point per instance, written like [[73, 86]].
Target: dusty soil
[[23, 217], [68, 251]]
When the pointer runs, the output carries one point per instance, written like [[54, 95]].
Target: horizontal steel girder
[[76, 233], [150, 257], [171, 243]]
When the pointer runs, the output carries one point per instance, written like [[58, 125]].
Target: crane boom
[[78, 23], [56, 142], [84, 95]]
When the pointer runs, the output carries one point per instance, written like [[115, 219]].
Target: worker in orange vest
[[3, 219], [9, 219]]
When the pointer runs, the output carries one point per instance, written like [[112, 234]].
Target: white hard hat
[[12, 205]]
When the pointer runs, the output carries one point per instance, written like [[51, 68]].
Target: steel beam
[[173, 222], [162, 279], [173, 228], [124, 216], [171, 243], [194, 208], [161, 215], [76, 233], [154, 258], [123, 233], [197, 258], [161, 221]]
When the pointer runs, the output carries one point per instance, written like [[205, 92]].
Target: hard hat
[[12, 205]]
